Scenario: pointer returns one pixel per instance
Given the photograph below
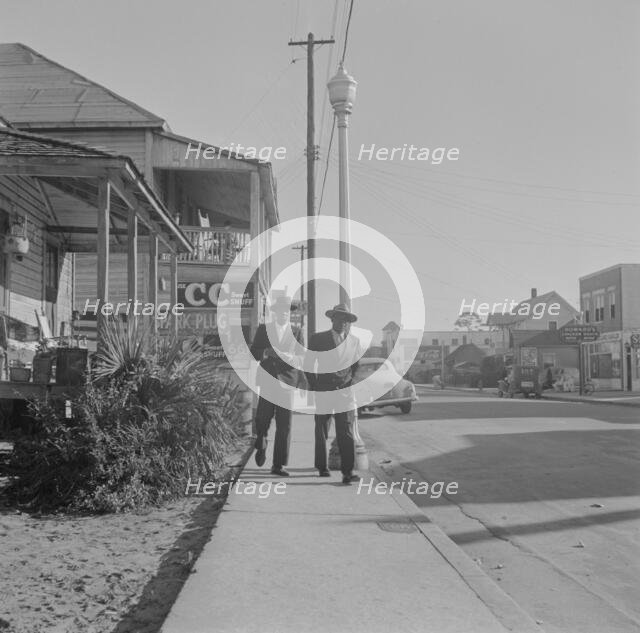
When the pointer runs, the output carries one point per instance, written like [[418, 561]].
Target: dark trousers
[[264, 413], [344, 435]]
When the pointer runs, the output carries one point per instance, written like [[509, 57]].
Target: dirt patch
[[115, 573]]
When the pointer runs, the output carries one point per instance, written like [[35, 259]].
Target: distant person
[[326, 382], [277, 333], [230, 242]]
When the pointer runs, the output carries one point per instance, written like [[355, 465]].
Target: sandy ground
[[118, 573]]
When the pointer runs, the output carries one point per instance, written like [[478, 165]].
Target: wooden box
[[71, 365]]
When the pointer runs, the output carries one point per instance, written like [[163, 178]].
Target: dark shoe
[[347, 479], [261, 456], [324, 473], [281, 472]]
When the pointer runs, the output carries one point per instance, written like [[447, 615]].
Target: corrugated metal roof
[[38, 92]]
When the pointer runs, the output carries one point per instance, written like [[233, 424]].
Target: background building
[[610, 300]]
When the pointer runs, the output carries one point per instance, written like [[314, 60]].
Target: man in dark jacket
[[280, 334], [326, 383]]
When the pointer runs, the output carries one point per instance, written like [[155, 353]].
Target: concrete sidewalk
[[322, 557]]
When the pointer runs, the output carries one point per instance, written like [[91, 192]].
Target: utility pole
[[312, 156], [302, 248]]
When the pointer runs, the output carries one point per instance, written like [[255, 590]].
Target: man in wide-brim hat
[[326, 382], [281, 334]]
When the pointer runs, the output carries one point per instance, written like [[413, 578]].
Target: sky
[[542, 99]]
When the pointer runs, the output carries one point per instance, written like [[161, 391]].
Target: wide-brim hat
[[341, 310], [283, 304]]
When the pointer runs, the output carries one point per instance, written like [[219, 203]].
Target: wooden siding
[[86, 282], [26, 277], [127, 142]]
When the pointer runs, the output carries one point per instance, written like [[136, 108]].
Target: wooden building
[[220, 203], [58, 198]]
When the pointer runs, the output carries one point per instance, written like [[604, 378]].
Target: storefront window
[[599, 305], [605, 360]]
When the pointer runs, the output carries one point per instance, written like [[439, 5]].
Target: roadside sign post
[[577, 335], [580, 368]]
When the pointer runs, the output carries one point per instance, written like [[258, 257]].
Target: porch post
[[104, 204], [132, 257], [254, 227], [173, 290], [153, 277]]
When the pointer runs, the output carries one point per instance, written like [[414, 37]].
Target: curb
[[619, 403], [502, 606], [235, 470], [461, 389]]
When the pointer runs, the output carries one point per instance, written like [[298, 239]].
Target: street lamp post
[[342, 95]]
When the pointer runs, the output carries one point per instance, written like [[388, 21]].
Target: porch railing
[[215, 246]]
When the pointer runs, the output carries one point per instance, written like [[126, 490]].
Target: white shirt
[[280, 330]]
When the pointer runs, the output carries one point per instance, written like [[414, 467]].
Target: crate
[[43, 369], [19, 374], [71, 365]]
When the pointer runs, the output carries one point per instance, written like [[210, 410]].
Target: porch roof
[[74, 170], [170, 153]]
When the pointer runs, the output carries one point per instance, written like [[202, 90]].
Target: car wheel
[[405, 407]]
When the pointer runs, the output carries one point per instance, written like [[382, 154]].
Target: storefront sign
[[574, 334], [207, 295], [207, 327]]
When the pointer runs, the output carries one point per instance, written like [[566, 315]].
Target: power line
[[446, 172], [441, 235], [346, 33], [503, 191], [326, 166], [491, 212], [329, 67], [272, 85]]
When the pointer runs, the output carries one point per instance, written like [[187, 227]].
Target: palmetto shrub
[[156, 413]]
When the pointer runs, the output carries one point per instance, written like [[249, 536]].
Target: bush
[[492, 368], [151, 419]]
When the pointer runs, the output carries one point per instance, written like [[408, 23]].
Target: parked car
[[401, 392]]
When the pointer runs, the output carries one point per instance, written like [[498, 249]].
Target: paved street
[[547, 502]]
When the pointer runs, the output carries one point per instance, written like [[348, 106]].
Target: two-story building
[[610, 300], [103, 195], [220, 199]]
